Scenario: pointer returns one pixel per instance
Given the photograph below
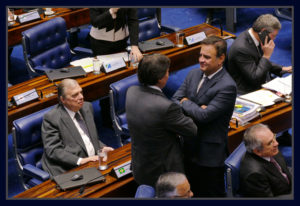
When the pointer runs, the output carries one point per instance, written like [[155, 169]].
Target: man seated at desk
[[249, 56], [263, 171], [69, 132]]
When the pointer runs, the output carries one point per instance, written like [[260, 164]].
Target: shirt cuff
[[78, 161]]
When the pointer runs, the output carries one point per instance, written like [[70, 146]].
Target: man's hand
[[135, 53], [183, 99], [89, 159], [268, 48], [287, 69], [108, 149]]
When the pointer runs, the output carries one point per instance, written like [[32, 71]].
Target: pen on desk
[[236, 123]]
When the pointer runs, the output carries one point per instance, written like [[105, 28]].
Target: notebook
[[155, 44], [69, 72], [90, 176]]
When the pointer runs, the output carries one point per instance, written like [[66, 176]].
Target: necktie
[[279, 169], [82, 124], [260, 51], [203, 85]]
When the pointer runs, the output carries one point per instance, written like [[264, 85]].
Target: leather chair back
[[117, 96], [45, 45], [148, 24], [145, 191], [27, 142], [232, 174]]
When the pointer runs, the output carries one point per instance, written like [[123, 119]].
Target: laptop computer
[[155, 44], [89, 176], [68, 72]]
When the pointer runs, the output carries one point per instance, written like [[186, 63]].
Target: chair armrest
[[35, 172], [169, 29]]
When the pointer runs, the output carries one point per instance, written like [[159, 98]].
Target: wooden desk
[[278, 117], [96, 86], [73, 18]]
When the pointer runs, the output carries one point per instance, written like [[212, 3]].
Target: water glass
[[96, 66], [102, 155], [179, 39]]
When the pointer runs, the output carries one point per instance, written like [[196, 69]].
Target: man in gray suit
[[249, 56], [208, 96], [69, 132], [154, 123]]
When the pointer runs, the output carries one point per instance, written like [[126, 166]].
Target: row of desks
[[278, 117], [96, 86]]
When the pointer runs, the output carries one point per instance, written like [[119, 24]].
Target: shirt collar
[[155, 87], [267, 158], [70, 112], [213, 74], [256, 42]]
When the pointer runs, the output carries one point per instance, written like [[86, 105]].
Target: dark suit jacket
[[154, 122], [62, 141], [209, 148], [260, 178], [247, 66]]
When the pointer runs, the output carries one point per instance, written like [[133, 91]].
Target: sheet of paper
[[109, 57], [282, 85], [262, 97], [86, 63]]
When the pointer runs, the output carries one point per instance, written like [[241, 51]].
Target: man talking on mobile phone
[[249, 56]]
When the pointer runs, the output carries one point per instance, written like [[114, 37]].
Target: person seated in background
[[154, 123], [173, 185], [69, 132], [249, 56], [263, 170]]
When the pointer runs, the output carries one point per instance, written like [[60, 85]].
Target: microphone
[[218, 21]]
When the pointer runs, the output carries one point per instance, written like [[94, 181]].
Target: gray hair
[[167, 183], [267, 21], [250, 137], [61, 89]]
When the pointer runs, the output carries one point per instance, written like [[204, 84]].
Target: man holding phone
[[249, 56]]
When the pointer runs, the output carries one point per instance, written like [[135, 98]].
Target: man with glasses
[[263, 171]]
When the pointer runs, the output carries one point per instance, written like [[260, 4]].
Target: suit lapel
[[253, 47], [210, 83], [72, 128]]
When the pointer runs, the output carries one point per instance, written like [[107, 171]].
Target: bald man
[[69, 132]]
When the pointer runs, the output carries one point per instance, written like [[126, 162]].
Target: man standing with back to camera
[[207, 95], [154, 122]]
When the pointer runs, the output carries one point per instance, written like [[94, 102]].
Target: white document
[[282, 85], [85, 63], [262, 97], [112, 57]]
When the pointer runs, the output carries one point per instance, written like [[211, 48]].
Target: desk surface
[[278, 117], [96, 86], [73, 17]]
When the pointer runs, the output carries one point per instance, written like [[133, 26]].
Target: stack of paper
[[112, 57], [85, 63], [282, 85], [263, 97], [244, 111]]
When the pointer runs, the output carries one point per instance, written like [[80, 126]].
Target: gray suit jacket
[[247, 66], [62, 141], [209, 148], [154, 122]]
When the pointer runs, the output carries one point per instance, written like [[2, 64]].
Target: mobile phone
[[262, 36]]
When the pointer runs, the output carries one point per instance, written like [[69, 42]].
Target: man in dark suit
[[249, 56], [154, 123], [263, 171], [208, 96], [69, 132]]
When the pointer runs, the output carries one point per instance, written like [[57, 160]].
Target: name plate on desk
[[23, 18], [195, 38], [112, 65], [122, 170], [25, 97]]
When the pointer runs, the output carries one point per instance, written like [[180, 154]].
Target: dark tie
[[204, 84], [279, 169], [82, 124], [260, 50]]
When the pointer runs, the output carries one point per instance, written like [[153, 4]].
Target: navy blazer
[[209, 148], [247, 66], [261, 178]]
